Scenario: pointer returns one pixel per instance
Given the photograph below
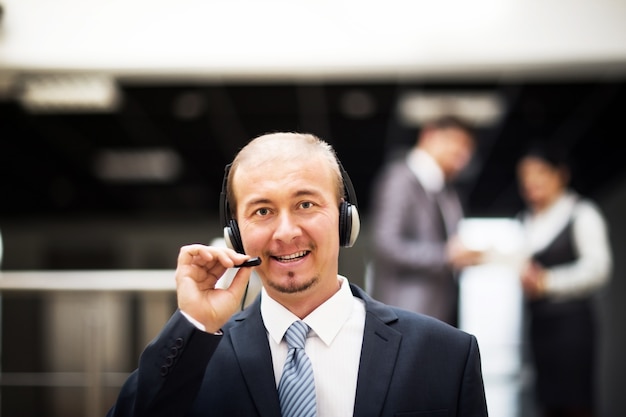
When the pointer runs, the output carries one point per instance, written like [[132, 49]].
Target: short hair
[[285, 144], [552, 154], [450, 122]]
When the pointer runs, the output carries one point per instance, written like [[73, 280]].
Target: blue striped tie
[[296, 388]]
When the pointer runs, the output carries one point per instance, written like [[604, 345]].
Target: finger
[[207, 256], [196, 263], [240, 281], [193, 253]]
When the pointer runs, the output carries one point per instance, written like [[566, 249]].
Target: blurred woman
[[569, 261]]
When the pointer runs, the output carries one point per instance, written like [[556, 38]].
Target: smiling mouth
[[292, 257]]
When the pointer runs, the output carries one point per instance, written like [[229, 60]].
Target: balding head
[[284, 148]]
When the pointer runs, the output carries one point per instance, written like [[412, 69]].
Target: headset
[[349, 221]]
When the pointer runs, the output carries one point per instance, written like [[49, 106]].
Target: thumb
[[240, 281]]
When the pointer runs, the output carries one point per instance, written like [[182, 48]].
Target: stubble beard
[[294, 286]]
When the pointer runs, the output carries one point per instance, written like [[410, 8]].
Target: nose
[[287, 228]]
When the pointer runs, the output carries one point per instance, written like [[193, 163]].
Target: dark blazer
[[411, 365]]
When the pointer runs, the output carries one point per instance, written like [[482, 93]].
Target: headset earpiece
[[232, 237], [349, 224], [349, 221]]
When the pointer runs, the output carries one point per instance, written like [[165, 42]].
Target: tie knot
[[296, 334]]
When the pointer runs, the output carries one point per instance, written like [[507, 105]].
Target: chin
[[293, 285]]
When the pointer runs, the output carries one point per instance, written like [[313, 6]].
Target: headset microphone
[[250, 262]]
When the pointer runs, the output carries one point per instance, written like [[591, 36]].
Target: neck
[[545, 204], [304, 303]]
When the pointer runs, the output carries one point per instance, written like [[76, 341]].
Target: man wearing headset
[[289, 203]]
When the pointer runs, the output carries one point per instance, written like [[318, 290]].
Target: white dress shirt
[[590, 238], [333, 346], [426, 170]]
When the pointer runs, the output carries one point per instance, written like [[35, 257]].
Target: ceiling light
[[481, 108], [138, 166], [64, 93]]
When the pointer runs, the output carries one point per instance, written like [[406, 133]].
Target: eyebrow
[[257, 202]]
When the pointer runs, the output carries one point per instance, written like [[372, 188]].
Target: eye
[[306, 204], [262, 212]]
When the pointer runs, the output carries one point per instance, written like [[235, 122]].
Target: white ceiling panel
[[341, 38]]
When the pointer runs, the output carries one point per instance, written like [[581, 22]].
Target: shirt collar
[[325, 321], [542, 227], [426, 170]]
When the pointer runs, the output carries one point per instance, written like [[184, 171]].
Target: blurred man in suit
[[415, 212]]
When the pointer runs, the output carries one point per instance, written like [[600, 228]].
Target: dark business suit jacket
[[411, 365]]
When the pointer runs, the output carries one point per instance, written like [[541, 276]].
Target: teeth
[[292, 256]]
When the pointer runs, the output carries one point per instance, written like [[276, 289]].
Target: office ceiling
[[281, 39]]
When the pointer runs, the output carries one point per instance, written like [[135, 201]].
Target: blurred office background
[[117, 118]]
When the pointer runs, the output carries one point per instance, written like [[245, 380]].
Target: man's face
[[540, 183], [454, 149], [288, 215]]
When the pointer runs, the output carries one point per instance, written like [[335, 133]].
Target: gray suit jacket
[[410, 365], [408, 241]]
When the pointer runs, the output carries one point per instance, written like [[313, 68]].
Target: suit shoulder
[[413, 324]]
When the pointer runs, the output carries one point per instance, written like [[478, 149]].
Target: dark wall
[[48, 160]]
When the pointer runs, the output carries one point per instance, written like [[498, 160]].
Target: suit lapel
[[379, 341], [450, 209], [378, 357], [255, 360]]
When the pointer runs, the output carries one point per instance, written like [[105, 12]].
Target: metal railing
[[85, 315]]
